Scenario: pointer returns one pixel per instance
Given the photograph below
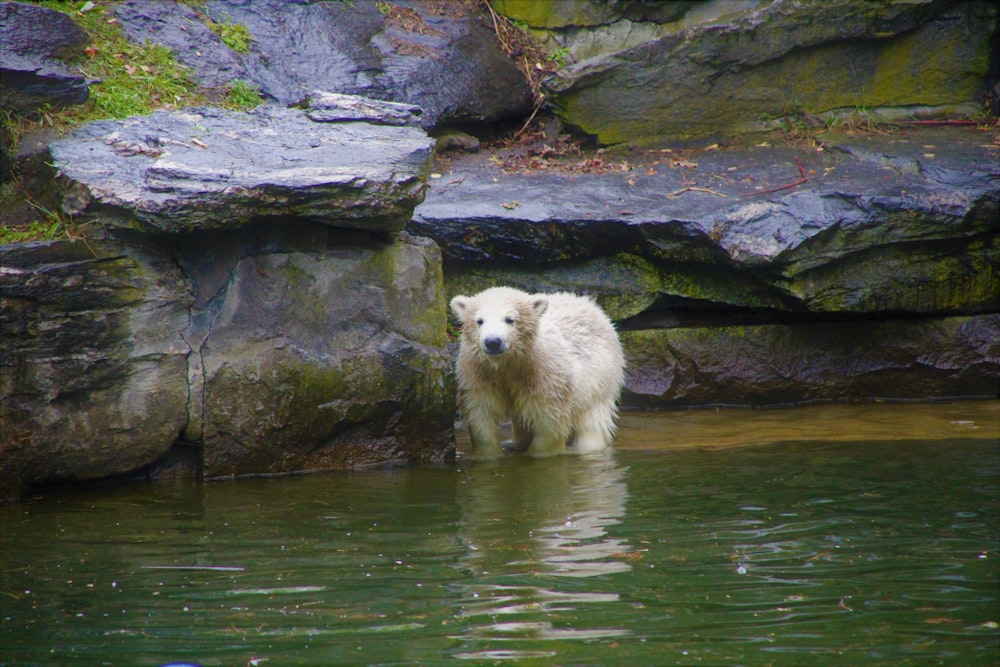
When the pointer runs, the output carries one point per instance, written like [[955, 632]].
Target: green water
[[828, 536]]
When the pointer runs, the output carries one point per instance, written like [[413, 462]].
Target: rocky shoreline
[[264, 292]]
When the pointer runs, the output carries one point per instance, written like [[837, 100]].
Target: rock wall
[[94, 364], [254, 307]]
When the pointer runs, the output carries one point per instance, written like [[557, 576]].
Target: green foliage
[[50, 226], [48, 230], [129, 79], [241, 96], [560, 57], [234, 35]]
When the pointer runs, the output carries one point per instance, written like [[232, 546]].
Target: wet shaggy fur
[[550, 363]]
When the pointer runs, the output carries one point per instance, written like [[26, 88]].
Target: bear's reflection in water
[[528, 522]]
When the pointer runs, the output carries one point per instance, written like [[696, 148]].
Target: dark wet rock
[[924, 359], [277, 348], [724, 68], [441, 57], [894, 224], [35, 43], [876, 276], [93, 367], [215, 169], [337, 359]]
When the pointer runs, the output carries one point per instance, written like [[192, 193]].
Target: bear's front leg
[[547, 442], [483, 432], [522, 434]]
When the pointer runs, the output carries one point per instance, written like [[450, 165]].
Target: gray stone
[[326, 360], [210, 168], [35, 43], [324, 107], [443, 59]]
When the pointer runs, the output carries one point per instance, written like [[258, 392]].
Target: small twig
[[934, 122], [675, 193], [538, 105], [804, 179]]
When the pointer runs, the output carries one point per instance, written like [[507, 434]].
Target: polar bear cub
[[550, 363]]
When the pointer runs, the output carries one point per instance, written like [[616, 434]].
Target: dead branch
[[804, 179]]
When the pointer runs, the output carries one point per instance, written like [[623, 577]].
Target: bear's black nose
[[493, 345]]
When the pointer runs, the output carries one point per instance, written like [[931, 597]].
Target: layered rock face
[[864, 269], [254, 297]]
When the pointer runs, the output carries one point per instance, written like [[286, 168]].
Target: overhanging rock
[[210, 168]]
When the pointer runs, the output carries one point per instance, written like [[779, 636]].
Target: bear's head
[[499, 320]]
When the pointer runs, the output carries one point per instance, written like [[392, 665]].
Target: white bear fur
[[552, 364]]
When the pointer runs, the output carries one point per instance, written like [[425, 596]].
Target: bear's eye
[[479, 321], [509, 320]]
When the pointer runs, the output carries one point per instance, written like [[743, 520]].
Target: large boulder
[[35, 44], [441, 57], [93, 367], [719, 68], [321, 356]]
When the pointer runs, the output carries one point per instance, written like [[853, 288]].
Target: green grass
[[234, 35], [48, 226], [132, 79], [128, 80], [241, 96], [36, 230]]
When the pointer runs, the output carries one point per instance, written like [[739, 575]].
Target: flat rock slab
[[803, 229], [215, 169], [715, 202]]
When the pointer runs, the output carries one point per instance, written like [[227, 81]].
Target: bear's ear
[[539, 304], [460, 305]]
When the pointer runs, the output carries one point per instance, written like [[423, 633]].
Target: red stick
[[804, 179]]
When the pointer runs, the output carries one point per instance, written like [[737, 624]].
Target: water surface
[[855, 535]]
